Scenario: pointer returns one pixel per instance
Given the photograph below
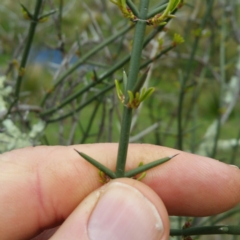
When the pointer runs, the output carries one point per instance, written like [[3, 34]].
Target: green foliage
[[201, 93], [204, 75]]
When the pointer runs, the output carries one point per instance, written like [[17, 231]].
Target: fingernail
[[233, 166], [123, 212]]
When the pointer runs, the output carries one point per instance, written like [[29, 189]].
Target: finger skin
[[41, 186]]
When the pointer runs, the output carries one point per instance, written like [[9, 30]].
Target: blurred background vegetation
[[67, 97]]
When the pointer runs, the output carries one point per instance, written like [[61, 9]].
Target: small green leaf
[[131, 97], [119, 91], [123, 4], [172, 5], [178, 39], [137, 96], [159, 19], [147, 94], [142, 176], [124, 8], [143, 91], [103, 177], [125, 79]]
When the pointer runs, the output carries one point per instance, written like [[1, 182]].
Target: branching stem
[[132, 78]]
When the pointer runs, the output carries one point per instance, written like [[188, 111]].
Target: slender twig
[[133, 7], [186, 77], [97, 29], [214, 220], [58, 23], [102, 122], [90, 122], [222, 82], [208, 230], [235, 149], [91, 99], [157, 10], [160, 54], [31, 33], [146, 131]]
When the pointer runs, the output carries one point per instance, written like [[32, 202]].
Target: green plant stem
[[46, 15], [164, 51], [222, 82], [86, 133], [60, 16], [186, 77], [10, 108], [123, 142], [132, 78], [31, 33], [132, 6], [235, 149], [82, 60], [208, 230], [93, 98], [214, 220]]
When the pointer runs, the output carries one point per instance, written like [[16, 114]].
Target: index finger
[[41, 186]]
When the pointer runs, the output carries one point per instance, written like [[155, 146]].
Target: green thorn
[[26, 13], [97, 164], [146, 93], [46, 15], [148, 166]]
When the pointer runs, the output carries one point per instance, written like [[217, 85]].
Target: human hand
[[43, 187]]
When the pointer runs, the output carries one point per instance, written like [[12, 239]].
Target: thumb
[[122, 209]]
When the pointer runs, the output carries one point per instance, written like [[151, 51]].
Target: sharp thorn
[[174, 155]]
